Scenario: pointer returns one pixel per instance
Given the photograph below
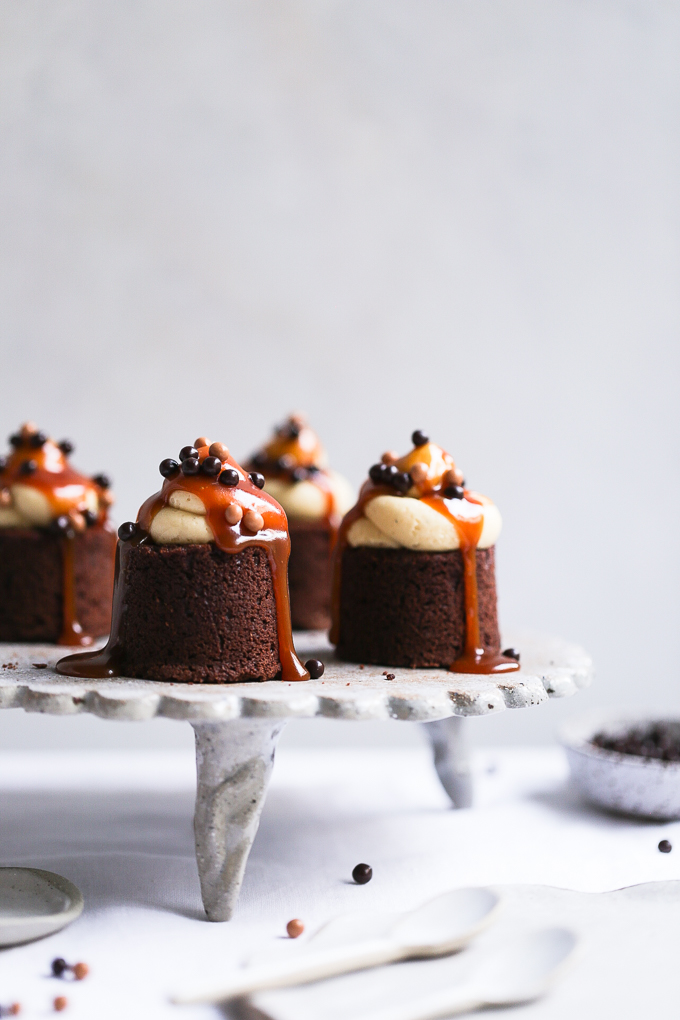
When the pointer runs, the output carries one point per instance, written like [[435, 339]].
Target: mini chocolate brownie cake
[[414, 569], [201, 590], [56, 545], [294, 465]]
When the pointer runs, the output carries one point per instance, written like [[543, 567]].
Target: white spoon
[[516, 973], [440, 926], [35, 903]]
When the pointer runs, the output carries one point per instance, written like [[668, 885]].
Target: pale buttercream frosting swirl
[[432, 511]]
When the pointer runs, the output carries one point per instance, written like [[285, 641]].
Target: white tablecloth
[[120, 827]]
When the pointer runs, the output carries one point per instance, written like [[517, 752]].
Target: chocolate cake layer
[[404, 608], [309, 575], [32, 583], [196, 614]]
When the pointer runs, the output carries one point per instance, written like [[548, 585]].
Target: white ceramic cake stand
[[237, 725]]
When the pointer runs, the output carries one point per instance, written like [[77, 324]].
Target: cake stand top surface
[[551, 668]]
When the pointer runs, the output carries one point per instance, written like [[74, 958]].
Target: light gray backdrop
[[460, 216]]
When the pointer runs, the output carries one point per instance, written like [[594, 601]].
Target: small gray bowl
[[624, 783]]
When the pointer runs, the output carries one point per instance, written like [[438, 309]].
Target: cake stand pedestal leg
[[234, 761], [452, 758]]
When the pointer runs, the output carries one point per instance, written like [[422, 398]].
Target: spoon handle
[[446, 1003], [308, 966]]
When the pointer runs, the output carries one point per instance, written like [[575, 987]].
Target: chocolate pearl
[[126, 531], [294, 430], [15, 441], [61, 526], [103, 481], [315, 668], [375, 473], [200, 442], [362, 874], [253, 521], [90, 517], [59, 965], [191, 466], [80, 971], [295, 928], [187, 451], [60, 1003], [211, 466], [419, 438], [389, 471], [66, 447], [511, 653], [28, 467], [402, 482], [453, 492], [38, 440], [259, 459], [219, 450], [257, 479], [168, 467], [229, 476], [665, 847], [313, 469], [299, 474], [233, 513]]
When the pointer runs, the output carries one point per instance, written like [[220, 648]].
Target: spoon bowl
[[445, 923]]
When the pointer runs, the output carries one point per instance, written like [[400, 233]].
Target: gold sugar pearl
[[390, 457], [295, 928], [253, 521], [77, 520], [219, 450], [234, 513], [418, 472], [201, 441], [28, 429]]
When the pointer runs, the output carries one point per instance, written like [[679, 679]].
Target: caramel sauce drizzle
[[273, 538], [66, 492], [296, 443], [475, 658]]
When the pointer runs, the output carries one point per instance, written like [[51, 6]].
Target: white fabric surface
[[119, 826]]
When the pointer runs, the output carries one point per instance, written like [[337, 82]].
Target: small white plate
[[35, 903]]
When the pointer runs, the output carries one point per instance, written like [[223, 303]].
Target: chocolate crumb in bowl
[[295, 928], [362, 874], [315, 668], [656, 740], [665, 846]]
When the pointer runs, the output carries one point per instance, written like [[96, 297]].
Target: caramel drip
[[475, 658], [71, 630], [273, 538], [66, 492]]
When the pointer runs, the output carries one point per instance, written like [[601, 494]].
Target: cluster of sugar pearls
[[191, 462]]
